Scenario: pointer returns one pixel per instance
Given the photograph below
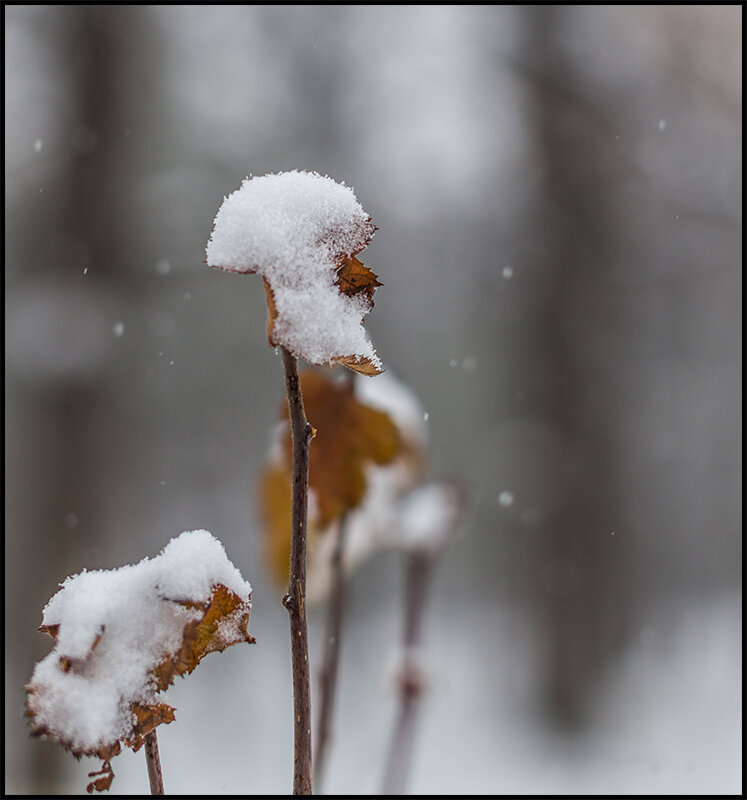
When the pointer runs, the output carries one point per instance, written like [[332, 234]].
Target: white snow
[[427, 516], [293, 228], [128, 611], [387, 393], [506, 498], [368, 526], [163, 266], [668, 721]]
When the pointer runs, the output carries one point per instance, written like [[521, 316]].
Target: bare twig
[[331, 657], [418, 571], [295, 599], [154, 763]]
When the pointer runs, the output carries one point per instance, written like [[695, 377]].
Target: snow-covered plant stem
[[331, 652], [418, 572], [295, 599], [154, 763]]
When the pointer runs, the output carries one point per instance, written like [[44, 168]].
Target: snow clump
[[296, 229]]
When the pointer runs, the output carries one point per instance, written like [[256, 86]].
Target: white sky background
[[431, 133]]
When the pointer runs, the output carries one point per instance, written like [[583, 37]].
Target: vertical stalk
[[153, 761], [332, 642], [417, 578], [295, 599]]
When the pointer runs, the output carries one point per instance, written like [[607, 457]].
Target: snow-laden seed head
[[301, 232]]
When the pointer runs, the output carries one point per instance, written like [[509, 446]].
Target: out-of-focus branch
[[418, 572], [331, 658], [428, 519]]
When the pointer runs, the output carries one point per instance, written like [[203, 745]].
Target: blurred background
[[558, 196]]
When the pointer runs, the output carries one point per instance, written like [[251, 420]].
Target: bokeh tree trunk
[[63, 436], [580, 574]]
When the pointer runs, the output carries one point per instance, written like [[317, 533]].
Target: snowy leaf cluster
[[369, 525], [398, 511], [122, 635]]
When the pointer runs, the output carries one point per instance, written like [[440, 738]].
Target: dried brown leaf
[[358, 364], [354, 278], [147, 718], [349, 436], [52, 630], [102, 783], [216, 624], [275, 499], [272, 312]]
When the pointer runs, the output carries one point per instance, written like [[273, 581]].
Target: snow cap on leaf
[[123, 635], [301, 232]]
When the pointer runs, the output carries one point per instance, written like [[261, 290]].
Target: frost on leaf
[[302, 232], [362, 456], [123, 635]]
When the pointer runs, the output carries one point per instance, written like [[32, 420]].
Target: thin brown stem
[[295, 599], [331, 659], [418, 572], [153, 761]]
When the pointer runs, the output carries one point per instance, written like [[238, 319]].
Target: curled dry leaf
[[302, 233], [358, 364], [103, 782], [122, 636], [355, 278], [224, 621], [275, 494], [351, 437]]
